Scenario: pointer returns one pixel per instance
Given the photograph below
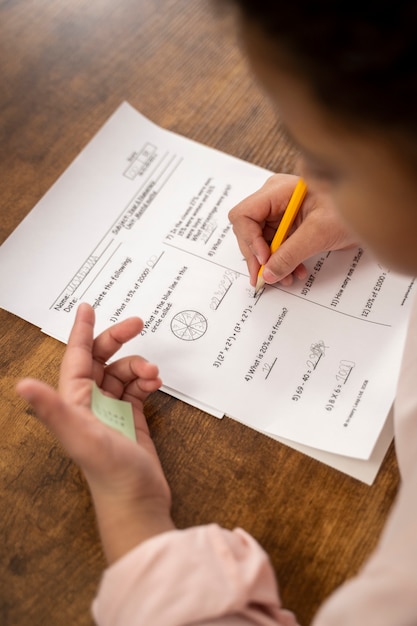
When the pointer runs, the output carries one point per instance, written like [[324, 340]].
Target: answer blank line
[[270, 369]]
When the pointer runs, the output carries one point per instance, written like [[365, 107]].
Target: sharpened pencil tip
[[259, 284]]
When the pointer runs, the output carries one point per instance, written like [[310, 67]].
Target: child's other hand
[[129, 489], [317, 228]]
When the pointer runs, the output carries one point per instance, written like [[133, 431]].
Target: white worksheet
[[137, 225]]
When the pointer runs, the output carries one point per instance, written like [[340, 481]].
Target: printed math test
[[137, 225]]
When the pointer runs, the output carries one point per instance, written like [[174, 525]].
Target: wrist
[[123, 526]]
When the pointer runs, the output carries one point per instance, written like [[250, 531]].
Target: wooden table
[[64, 68]]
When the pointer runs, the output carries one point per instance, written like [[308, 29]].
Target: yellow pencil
[[285, 224]]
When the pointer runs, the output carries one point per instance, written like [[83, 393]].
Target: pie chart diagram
[[189, 325]]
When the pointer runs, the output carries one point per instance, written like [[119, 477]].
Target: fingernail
[[301, 273]]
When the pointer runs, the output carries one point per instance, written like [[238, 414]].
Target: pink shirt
[[209, 575]]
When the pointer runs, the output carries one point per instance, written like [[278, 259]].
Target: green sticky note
[[117, 414]]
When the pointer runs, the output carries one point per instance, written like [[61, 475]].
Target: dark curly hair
[[360, 58]]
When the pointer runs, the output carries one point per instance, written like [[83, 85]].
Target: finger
[[139, 389], [251, 243], [256, 218], [299, 272], [262, 208], [54, 413], [77, 360], [119, 374], [253, 268], [111, 340], [248, 220]]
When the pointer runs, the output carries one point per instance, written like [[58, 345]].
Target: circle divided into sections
[[189, 325]]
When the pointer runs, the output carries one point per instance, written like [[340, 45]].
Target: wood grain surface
[[64, 68]]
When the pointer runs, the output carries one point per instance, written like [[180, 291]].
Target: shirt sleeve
[[203, 575], [384, 593]]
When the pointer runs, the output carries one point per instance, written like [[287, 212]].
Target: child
[[343, 77]]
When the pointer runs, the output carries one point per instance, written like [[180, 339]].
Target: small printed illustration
[[189, 325]]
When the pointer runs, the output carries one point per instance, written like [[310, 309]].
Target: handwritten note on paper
[[117, 414], [143, 217]]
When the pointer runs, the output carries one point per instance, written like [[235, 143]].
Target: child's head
[[344, 78]]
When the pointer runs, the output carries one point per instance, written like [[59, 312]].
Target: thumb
[[292, 252], [47, 404], [68, 425]]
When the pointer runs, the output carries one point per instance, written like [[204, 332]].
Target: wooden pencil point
[[259, 284]]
